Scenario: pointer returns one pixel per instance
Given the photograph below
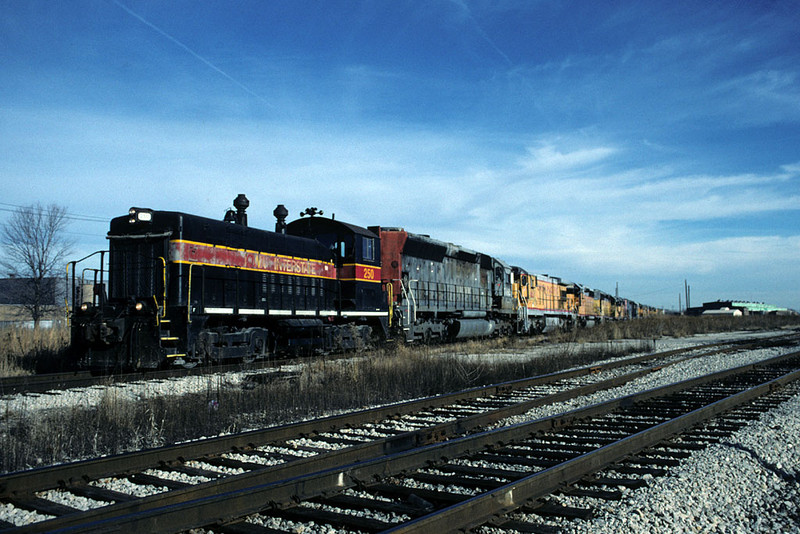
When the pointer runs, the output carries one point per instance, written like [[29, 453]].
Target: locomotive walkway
[[335, 445]]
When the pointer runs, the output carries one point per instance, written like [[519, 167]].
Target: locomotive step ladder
[[168, 342]]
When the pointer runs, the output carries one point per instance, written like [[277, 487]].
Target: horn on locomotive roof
[[311, 212], [280, 214]]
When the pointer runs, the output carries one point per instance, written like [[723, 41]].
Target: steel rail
[[27, 482], [196, 507], [40, 383], [487, 507], [22, 482], [75, 379], [375, 448], [18, 485], [10, 385]]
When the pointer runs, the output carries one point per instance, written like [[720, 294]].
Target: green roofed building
[[743, 307], [758, 307]]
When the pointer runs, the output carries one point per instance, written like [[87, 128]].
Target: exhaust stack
[[241, 204], [280, 214]]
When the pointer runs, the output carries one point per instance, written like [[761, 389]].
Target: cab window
[[368, 249]]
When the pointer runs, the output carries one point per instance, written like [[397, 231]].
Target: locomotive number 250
[[369, 274]]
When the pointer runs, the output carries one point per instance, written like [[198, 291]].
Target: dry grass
[[117, 425], [323, 386], [26, 351], [674, 326]]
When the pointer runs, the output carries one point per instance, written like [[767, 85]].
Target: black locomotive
[[183, 290]]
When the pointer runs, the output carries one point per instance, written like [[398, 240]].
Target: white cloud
[[548, 158], [564, 206], [792, 169]]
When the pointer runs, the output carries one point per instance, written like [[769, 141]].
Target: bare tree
[[34, 252]]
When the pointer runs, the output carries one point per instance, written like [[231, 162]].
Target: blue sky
[[639, 143]]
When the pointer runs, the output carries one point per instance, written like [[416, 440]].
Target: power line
[[67, 215], [653, 292], [84, 234]]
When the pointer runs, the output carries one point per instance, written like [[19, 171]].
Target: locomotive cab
[[502, 289], [356, 254]]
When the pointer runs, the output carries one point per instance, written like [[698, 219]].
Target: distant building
[[731, 312], [738, 308], [14, 290], [13, 293]]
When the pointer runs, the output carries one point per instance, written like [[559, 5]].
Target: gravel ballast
[[747, 483]]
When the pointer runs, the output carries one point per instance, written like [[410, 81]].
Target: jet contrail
[[189, 50], [468, 12]]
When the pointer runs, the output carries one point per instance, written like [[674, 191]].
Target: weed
[[31, 438], [26, 351]]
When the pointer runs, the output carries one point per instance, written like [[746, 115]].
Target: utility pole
[[686, 289]]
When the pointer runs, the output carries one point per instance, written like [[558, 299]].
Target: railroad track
[[49, 382], [52, 382], [643, 432], [596, 492], [480, 479], [297, 449]]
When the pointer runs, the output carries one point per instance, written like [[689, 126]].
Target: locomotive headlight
[[84, 306], [140, 215], [138, 306]]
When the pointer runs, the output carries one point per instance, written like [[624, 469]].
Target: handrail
[[189, 297], [139, 236], [389, 292], [524, 301], [409, 296], [67, 295], [164, 299], [158, 318], [71, 282]]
